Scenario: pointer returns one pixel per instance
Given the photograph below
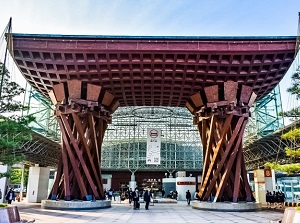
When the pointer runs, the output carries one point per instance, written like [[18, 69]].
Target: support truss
[[221, 114], [83, 112]]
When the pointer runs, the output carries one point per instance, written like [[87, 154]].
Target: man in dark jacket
[[188, 197], [136, 198], [147, 198], [10, 196]]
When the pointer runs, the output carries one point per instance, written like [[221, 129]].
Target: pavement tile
[[159, 213]]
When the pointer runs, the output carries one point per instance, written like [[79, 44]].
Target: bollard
[[291, 215], [9, 214]]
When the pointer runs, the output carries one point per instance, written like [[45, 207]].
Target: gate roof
[[153, 70]]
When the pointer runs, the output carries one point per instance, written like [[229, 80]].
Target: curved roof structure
[[153, 71]]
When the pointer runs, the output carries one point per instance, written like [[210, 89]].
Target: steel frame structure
[[124, 145]]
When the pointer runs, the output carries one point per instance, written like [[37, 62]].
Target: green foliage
[[295, 88], [13, 135], [3, 205], [6, 174], [287, 168], [16, 176], [293, 113], [291, 135], [10, 90], [294, 153], [13, 131]]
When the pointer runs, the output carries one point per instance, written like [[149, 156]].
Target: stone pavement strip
[[160, 213]]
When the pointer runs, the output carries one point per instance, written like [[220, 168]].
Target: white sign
[[153, 146]]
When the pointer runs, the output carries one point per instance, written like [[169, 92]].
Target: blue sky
[[156, 18], [153, 17]]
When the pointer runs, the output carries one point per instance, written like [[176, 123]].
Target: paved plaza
[[160, 213]]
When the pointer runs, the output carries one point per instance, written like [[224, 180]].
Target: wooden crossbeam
[[237, 179], [79, 155], [72, 160], [224, 157], [215, 154], [229, 165], [66, 174], [221, 122], [59, 171], [86, 148]]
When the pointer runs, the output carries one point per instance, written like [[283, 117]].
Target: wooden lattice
[[83, 112], [221, 113]]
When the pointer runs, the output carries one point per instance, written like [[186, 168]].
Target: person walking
[[10, 196], [188, 197], [147, 198], [163, 193], [130, 196], [136, 199]]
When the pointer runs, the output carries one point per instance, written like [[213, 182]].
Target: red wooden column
[[83, 111], [221, 113]]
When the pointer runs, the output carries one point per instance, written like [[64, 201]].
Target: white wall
[[3, 181], [38, 181], [108, 177], [264, 180], [183, 184]]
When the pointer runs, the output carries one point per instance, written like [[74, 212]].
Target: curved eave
[[124, 37], [153, 70]]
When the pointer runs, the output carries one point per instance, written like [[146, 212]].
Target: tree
[[14, 130], [294, 113], [9, 91], [293, 153], [294, 135], [16, 176]]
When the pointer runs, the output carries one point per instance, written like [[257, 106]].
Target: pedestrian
[[147, 198], [163, 193], [130, 196], [188, 197], [114, 194], [136, 199], [175, 194], [0, 194], [10, 196], [268, 199], [196, 195], [110, 194]]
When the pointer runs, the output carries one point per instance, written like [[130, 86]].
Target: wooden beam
[[229, 165], [72, 157], [79, 155], [216, 151], [74, 87], [225, 156], [86, 147]]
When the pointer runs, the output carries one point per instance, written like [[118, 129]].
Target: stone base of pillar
[[37, 184], [226, 206], [75, 205]]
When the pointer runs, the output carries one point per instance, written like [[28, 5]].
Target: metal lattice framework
[[45, 122], [124, 145], [270, 148], [265, 117]]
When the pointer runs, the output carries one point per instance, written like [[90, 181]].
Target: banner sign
[[153, 146]]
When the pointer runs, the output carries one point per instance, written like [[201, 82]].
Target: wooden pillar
[[83, 112], [221, 113]]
